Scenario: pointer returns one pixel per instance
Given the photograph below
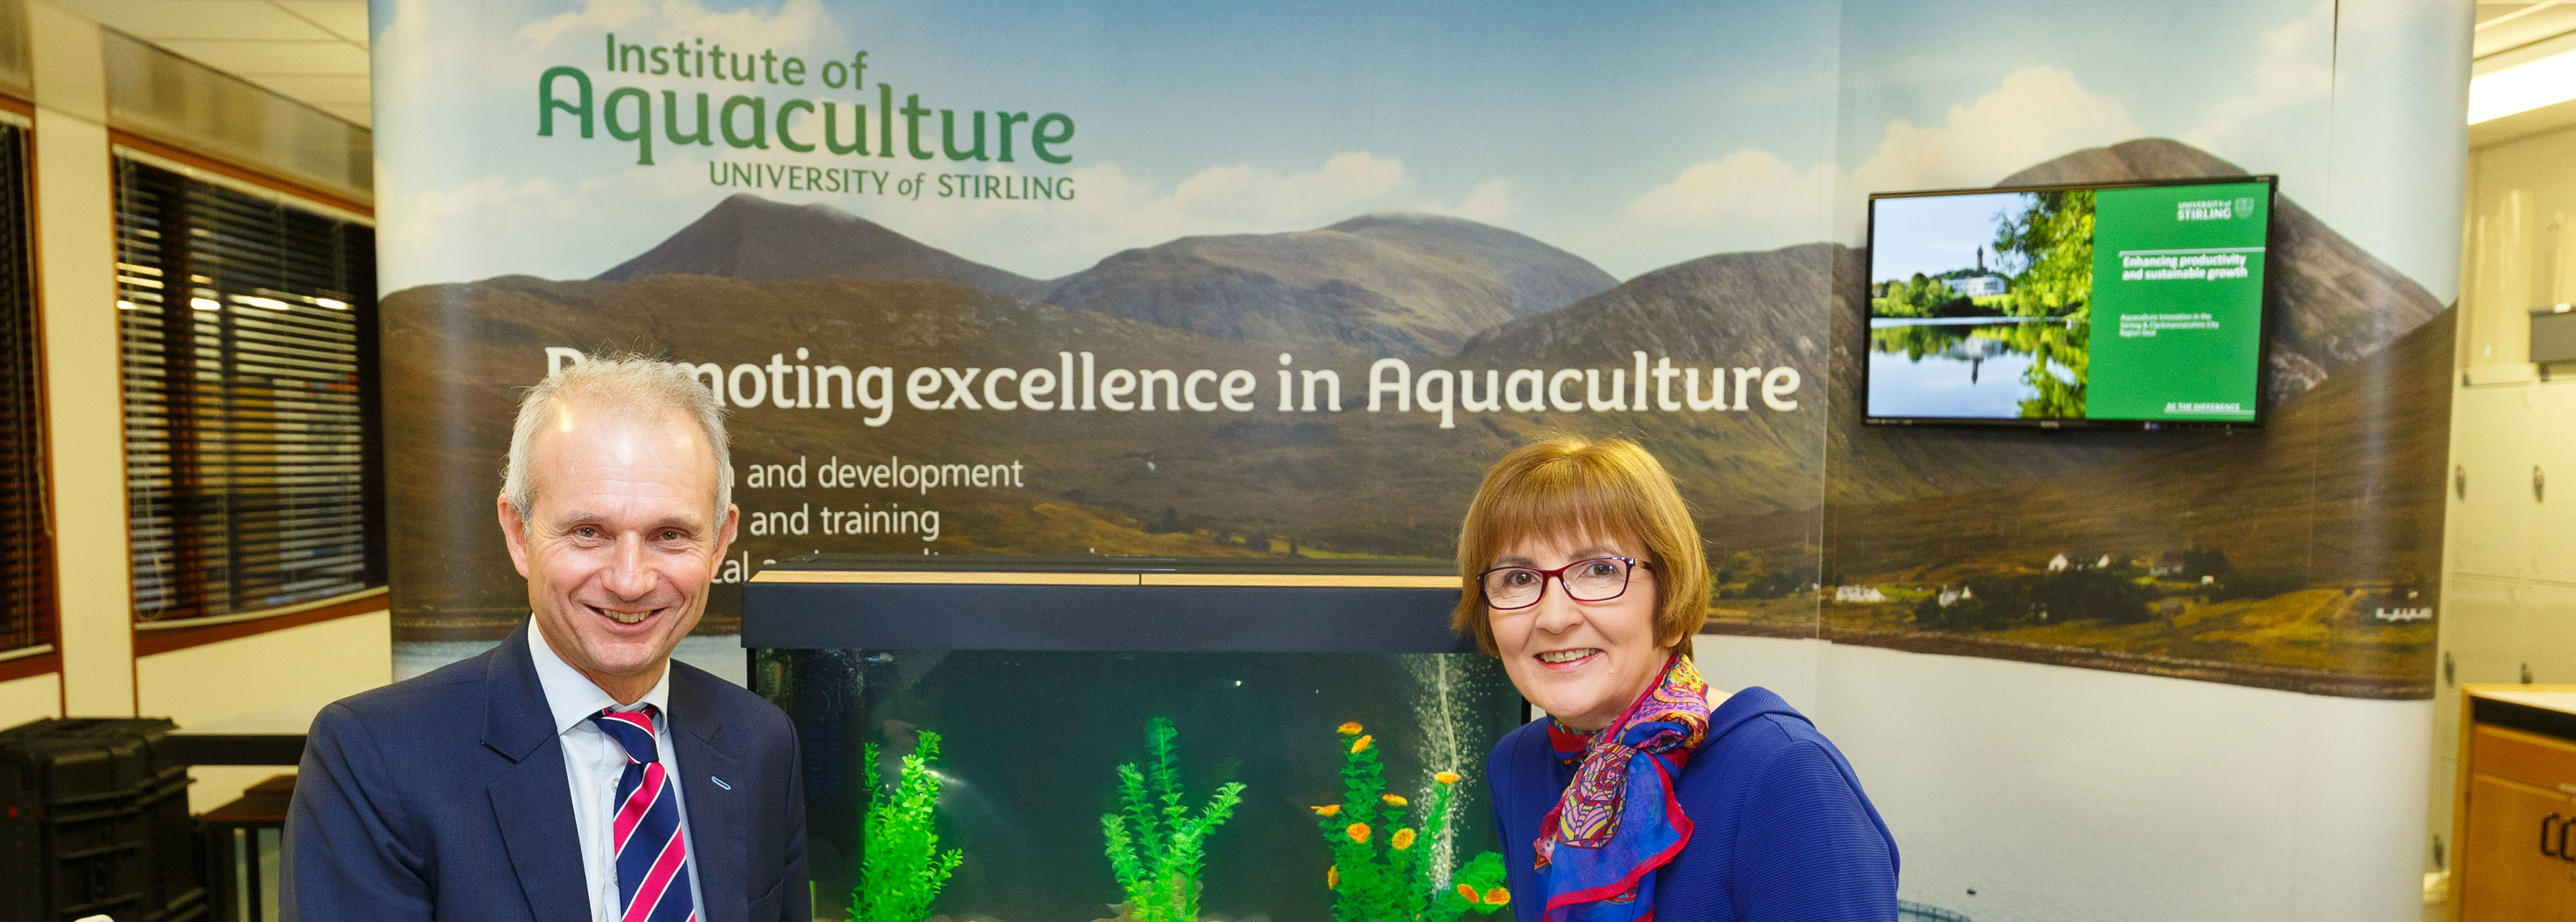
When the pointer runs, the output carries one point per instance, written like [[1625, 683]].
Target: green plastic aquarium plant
[[1155, 846], [1382, 869], [901, 868]]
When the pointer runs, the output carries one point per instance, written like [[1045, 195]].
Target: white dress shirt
[[593, 762]]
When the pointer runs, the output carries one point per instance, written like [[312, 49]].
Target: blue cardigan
[[1782, 830]]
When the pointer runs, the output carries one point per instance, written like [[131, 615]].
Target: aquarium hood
[[1140, 604]]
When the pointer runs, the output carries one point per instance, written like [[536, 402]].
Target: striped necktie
[[652, 858]]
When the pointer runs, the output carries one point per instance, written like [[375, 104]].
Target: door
[[2492, 498], [2552, 437], [2509, 860]]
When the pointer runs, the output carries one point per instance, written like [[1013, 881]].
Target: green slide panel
[[2177, 308]]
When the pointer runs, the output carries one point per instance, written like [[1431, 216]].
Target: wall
[[2511, 560], [2112, 798], [29, 698], [276, 677], [272, 676], [77, 272]]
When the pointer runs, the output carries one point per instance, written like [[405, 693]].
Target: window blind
[[253, 479], [26, 545]]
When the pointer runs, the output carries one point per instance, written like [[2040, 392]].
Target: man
[[575, 771]]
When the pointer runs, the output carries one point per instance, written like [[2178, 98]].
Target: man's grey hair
[[626, 385]]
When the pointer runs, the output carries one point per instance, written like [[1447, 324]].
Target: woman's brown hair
[[1585, 488]]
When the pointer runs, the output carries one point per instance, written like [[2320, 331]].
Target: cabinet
[[2515, 816], [2508, 594], [2513, 841], [2491, 500], [2552, 429], [2548, 613]]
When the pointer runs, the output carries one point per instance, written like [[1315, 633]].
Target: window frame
[[162, 636], [45, 655]]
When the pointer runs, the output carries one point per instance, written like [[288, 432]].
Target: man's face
[[619, 546]]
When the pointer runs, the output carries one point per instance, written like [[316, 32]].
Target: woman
[[1645, 794]]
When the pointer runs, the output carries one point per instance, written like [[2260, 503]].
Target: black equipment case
[[94, 821]]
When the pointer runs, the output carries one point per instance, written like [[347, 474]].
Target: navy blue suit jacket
[[443, 797]]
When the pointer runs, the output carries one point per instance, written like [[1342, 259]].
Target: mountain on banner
[[1409, 284], [1731, 310], [1160, 483], [1772, 489], [1402, 284], [2252, 498], [2336, 302], [757, 240], [1320, 290], [1742, 308], [2334, 508]]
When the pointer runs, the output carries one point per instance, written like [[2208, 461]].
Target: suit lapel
[[533, 804], [531, 800], [718, 834]]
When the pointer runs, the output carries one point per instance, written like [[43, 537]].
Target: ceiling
[[311, 51], [315, 51], [2503, 27]]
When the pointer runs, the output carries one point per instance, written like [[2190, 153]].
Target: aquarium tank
[[1023, 739]]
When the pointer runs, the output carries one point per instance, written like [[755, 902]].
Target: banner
[[1198, 282], [1024, 293], [970, 325], [2305, 556]]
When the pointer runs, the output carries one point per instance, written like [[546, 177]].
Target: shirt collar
[[572, 697]]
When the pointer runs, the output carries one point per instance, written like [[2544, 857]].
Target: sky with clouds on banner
[[1635, 138]]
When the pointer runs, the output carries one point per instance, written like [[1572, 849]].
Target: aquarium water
[[1030, 745]]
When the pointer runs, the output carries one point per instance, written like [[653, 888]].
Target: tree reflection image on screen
[[2052, 239]]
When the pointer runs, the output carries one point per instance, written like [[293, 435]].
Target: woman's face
[[1581, 662]]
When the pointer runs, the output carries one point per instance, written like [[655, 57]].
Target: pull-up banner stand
[[1092, 279]]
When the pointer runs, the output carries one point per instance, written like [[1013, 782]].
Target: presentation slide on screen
[[2125, 304]]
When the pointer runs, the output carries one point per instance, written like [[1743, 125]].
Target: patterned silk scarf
[[1619, 821]]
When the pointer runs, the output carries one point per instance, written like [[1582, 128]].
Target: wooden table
[[243, 842]]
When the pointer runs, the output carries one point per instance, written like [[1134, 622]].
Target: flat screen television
[[2138, 305]]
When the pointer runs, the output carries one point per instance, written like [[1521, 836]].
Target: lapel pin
[[720, 782]]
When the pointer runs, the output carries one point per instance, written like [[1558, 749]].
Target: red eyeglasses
[[1595, 579]]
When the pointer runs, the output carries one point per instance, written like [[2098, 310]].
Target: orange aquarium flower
[[1402, 839], [1328, 810], [1468, 892], [1333, 878], [1359, 832], [1497, 896], [1392, 800], [1446, 777], [1361, 745], [1351, 728]]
